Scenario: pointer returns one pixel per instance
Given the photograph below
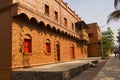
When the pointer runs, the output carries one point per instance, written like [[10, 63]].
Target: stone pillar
[[5, 39]]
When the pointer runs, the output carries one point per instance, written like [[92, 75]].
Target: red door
[[27, 46], [58, 52], [73, 53]]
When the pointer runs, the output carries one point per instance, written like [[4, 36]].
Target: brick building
[[37, 33], [94, 47], [43, 33]]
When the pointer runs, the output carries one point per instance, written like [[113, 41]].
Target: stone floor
[[111, 70], [90, 73]]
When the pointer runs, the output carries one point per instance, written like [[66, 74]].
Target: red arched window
[[27, 44], [48, 48]]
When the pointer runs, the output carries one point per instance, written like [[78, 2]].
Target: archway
[[72, 52]]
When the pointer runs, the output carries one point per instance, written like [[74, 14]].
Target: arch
[[65, 33], [48, 26], [47, 2], [33, 20], [71, 45], [58, 31], [28, 36], [69, 35], [47, 41], [24, 17], [57, 45], [42, 24], [54, 29]]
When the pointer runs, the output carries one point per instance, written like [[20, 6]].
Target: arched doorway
[[58, 51], [72, 52]]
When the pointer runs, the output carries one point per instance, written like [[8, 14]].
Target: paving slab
[[59, 71], [111, 70], [90, 73]]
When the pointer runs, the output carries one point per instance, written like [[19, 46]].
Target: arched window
[[48, 48], [27, 44]]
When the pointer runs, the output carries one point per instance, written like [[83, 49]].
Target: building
[[109, 35], [94, 47], [37, 33]]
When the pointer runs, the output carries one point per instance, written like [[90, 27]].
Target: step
[[61, 71]]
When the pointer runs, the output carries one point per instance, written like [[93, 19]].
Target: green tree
[[115, 15], [106, 44]]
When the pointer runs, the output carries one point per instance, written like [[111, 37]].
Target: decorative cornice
[[36, 13]]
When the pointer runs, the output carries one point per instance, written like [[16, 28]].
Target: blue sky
[[95, 11]]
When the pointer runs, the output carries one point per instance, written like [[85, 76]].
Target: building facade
[[109, 35], [37, 33], [94, 48], [43, 33]]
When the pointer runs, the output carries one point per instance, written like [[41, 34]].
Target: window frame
[[47, 9], [56, 15], [65, 21], [48, 47], [72, 26], [28, 45], [91, 35]]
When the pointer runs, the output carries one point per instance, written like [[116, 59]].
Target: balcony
[[83, 35]]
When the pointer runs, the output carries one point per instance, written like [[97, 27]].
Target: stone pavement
[[111, 70]]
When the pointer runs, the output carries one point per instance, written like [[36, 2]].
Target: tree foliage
[[106, 44]]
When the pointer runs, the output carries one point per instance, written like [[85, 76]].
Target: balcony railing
[[83, 35]]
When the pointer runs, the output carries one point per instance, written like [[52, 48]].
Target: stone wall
[[39, 36], [5, 40]]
